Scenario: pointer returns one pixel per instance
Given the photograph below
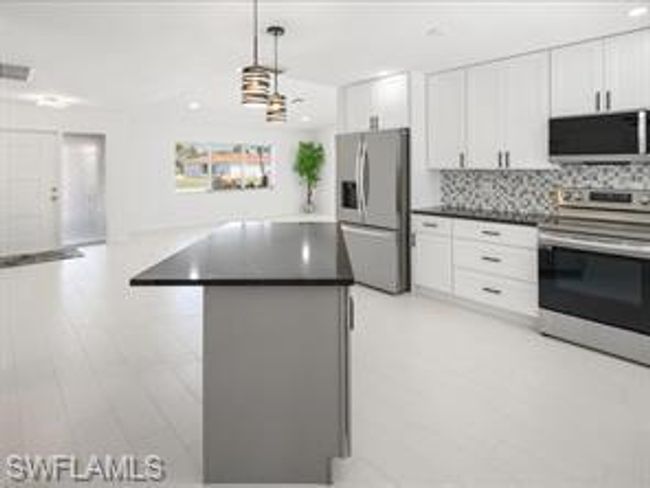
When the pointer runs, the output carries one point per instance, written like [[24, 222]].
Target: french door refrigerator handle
[[357, 176], [362, 177], [366, 181]]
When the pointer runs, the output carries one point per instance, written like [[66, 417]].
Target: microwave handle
[[643, 132]]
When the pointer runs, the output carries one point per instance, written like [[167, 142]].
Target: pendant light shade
[[256, 80], [276, 106], [255, 86]]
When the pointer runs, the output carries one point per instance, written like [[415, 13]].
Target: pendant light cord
[[275, 71], [255, 29]]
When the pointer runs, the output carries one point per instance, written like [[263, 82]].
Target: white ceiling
[[122, 54]]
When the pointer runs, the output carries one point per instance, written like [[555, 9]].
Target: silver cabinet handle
[[493, 291], [507, 159], [500, 158], [491, 259], [430, 224], [461, 159], [491, 233], [351, 313], [642, 132], [597, 101], [608, 100]]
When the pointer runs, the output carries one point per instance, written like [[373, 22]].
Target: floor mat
[[41, 257]]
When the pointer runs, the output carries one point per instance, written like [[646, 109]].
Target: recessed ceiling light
[[53, 101], [305, 118], [637, 11], [193, 106], [383, 72], [433, 31]]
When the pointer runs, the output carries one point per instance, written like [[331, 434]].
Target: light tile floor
[[443, 396]]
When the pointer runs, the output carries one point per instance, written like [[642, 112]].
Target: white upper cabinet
[[384, 98], [390, 101], [485, 116], [446, 120], [606, 75], [508, 110], [358, 108], [577, 79], [627, 71], [526, 111]]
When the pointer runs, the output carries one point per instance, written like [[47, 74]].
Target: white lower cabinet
[[511, 262], [484, 262], [432, 264], [496, 291]]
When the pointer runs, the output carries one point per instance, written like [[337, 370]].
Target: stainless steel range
[[594, 271]]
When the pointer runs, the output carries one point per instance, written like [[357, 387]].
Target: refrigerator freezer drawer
[[375, 257]]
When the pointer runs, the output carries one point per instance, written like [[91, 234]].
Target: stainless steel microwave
[[611, 137]]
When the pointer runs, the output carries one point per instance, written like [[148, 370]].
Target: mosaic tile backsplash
[[531, 191]]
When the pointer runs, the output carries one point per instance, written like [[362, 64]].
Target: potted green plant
[[309, 162]]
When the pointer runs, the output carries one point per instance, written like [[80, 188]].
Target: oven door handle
[[616, 247]]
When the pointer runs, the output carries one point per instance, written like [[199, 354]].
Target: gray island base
[[276, 348]]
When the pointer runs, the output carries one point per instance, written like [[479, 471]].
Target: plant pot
[[309, 208]]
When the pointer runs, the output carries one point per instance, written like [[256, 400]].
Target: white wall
[[140, 164], [425, 183], [154, 134], [83, 120], [326, 190]]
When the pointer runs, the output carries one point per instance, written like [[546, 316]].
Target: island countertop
[[258, 254]]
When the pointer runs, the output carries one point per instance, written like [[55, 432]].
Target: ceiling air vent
[[15, 72]]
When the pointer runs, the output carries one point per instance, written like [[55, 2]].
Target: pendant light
[[276, 106], [255, 78]]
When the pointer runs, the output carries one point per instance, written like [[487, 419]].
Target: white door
[[577, 79], [432, 266], [390, 101], [627, 71], [526, 93], [29, 179], [446, 120], [484, 116], [358, 107]]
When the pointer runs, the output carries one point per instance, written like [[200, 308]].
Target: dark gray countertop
[[531, 219], [258, 254]]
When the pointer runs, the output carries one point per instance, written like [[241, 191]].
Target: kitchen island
[[276, 323]]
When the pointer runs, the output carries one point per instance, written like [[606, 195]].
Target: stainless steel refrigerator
[[373, 206]]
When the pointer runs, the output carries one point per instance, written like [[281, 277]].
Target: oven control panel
[[631, 200]]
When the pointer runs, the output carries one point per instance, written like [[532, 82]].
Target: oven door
[[602, 280]]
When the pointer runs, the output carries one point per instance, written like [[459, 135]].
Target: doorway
[[29, 201], [83, 212]]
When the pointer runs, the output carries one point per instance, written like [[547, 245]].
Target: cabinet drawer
[[512, 295], [517, 263], [431, 224], [506, 234]]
